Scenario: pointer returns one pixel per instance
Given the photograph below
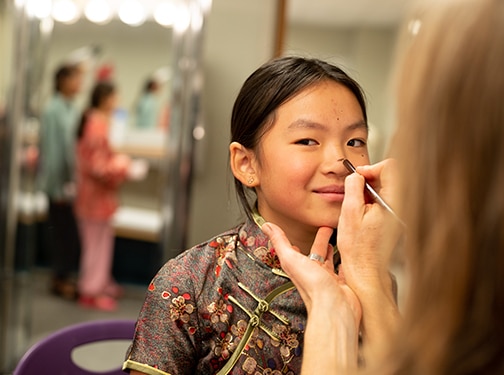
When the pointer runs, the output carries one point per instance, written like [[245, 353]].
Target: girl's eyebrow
[[358, 125], [303, 123], [308, 124]]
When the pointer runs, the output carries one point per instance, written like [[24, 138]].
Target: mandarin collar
[[256, 243]]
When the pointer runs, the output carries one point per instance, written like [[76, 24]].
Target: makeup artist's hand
[[367, 235], [316, 282], [331, 340]]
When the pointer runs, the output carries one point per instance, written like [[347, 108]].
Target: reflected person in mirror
[[100, 173], [59, 122]]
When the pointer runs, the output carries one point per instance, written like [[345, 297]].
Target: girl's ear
[[243, 164]]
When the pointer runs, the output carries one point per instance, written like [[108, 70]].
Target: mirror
[[117, 52], [35, 39]]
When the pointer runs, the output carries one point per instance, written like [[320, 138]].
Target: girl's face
[[298, 166], [109, 103]]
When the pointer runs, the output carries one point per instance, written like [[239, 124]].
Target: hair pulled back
[[101, 91], [267, 89]]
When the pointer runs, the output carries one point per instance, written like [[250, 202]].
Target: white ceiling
[[347, 13]]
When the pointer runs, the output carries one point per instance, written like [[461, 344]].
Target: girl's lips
[[331, 193], [334, 189]]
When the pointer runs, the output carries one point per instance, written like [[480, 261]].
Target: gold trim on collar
[[259, 220]]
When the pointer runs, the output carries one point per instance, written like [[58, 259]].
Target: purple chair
[[53, 354]]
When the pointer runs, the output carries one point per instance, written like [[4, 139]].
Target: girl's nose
[[333, 162]]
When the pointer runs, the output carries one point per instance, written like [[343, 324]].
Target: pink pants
[[97, 252]]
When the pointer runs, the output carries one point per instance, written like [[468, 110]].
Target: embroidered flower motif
[[267, 256], [250, 241], [288, 340], [180, 310], [218, 312], [249, 365], [243, 236], [224, 347], [239, 330], [224, 252], [165, 294], [263, 249]]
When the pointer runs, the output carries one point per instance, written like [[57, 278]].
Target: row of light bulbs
[[131, 12]]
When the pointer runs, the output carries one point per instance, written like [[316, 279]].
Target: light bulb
[[132, 13], [98, 11], [65, 11]]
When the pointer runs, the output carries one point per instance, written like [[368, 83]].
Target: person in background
[[448, 189], [148, 107], [100, 172], [59, 122], [224, 306]]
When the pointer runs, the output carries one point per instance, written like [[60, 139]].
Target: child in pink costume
[[100, 172]]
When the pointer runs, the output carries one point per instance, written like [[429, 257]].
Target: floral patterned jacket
[[198, 307]]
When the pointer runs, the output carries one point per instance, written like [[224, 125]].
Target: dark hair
[[150, 85], [268, 88], [101, 91], [62, 73]]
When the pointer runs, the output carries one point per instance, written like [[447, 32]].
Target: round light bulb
[[98, 12], [132, 13], [164, 13], [65, 11]]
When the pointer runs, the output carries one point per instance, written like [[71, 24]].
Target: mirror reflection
[[129, 95], [105, 71]]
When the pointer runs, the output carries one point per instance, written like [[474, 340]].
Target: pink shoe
[[103, 302]]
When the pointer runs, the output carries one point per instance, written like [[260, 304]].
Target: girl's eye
[[356, 143], [306, 142]]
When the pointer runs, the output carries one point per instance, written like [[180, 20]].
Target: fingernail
[[266, 227]]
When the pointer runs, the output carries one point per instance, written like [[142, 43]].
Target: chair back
[[53, 354]]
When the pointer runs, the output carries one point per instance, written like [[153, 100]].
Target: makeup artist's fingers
[[288, 254], [315, 282], [360, 231], [353, 203], [284, 248], [277, 237], [383, 177], [321, 245], [373, 171]]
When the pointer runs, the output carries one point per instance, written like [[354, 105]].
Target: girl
[[225, 306], [100, 172]]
